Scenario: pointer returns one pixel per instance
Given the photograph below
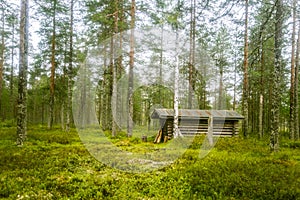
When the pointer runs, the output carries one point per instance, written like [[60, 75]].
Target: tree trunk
[[70, 70], [53, 66], [275, 102], [220, 99], [114, 90], [62, 116], [82, 117], [261, 92], [11, 79], [176, 131], [108, 98], [2, 50], [203, 92], [161, 100], [192, 55], [296, 124], [210, 130], [245, 81], [176, 97], [260, 126], [120, 106], [23, 66], [114, 73], [130, 79], [292, 87], [104, 92], [235, 79]]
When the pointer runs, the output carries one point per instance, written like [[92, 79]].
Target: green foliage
[[146, 97], [48, 167], [7, 123]]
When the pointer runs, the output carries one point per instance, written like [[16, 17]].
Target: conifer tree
[[276, 95]]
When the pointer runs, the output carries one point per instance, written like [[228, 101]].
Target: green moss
[[55, 165]]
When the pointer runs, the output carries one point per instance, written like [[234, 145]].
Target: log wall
[[227, 128]]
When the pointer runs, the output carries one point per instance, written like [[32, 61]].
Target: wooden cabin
[[224, 123]]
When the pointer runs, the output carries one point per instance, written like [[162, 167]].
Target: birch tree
[[23, 67], [176, 130]]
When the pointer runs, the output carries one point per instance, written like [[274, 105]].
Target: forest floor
[[56, 165]]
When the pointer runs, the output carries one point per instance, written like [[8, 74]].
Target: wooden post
[[158, 137], [166, 139], [210, 130], [233, 128]]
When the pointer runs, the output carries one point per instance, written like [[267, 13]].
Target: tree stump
[[144, 138]]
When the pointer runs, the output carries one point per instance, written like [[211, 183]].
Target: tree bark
[[176, 96], [2, 51], [104, 92], [220, 99], [161, 100], [70, 70], [11, 79], [53, 66], [114, 72], [114, 89], [23, 67], [192, 55], [245, 81], [62, 116], [235, 79], [131, 66], [296, 124], [261, 92], [176, 131], [292, 87], [275, 103]]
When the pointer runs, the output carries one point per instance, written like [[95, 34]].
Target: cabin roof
[[196, 114]]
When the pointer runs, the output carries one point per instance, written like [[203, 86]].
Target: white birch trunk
[[176, 100], [23, 66], [176, 130]]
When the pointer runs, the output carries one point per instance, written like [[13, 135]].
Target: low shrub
[[56, 165]]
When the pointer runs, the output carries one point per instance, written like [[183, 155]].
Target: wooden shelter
[[220, 122]]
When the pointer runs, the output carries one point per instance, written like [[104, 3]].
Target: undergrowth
[[55, 165]]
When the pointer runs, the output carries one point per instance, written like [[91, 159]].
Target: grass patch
[[56, 165]]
